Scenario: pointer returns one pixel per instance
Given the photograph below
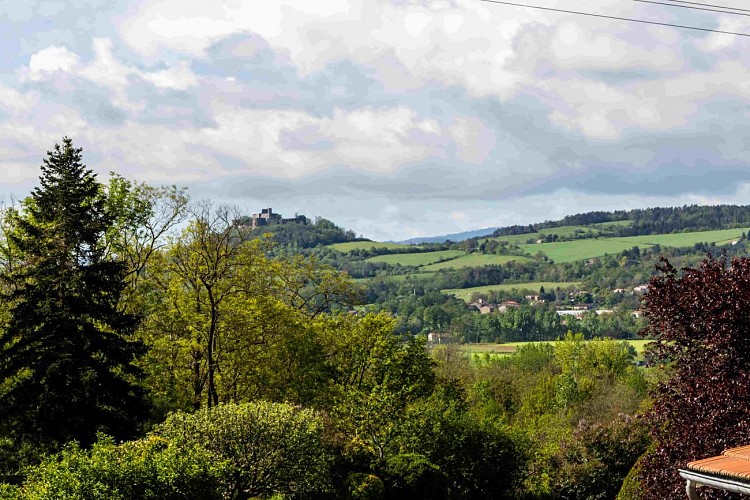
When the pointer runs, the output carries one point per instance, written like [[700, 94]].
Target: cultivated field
[[473, 260], [466, 293], [417, 259]]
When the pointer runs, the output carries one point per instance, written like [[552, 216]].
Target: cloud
[[431, 108], [50, 60]]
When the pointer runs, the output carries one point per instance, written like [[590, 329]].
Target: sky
[[393, 118]]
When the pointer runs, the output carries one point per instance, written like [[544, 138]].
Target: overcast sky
[[394, 118]]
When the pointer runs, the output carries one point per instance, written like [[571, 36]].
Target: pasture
[[466, 293], [417, 259], [473, 260]]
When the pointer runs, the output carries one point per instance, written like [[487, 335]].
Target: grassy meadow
[[570, 251], [473, 260], [562, 231], [510, 347], [417, 259], [466, 293]]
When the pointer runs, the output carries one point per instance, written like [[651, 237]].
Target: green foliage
[[411, 475], [363, 486], [148, 469], [598, 457], [375, 376], [66, 368], [270, 447], [481, 458]]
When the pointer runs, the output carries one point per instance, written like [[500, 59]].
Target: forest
[[152, 348]]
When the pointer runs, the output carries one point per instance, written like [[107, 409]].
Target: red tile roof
[[732, 463]]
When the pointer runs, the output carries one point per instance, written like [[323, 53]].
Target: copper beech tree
[[701, 318]]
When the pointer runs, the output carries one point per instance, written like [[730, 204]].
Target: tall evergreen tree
[[66, 367]]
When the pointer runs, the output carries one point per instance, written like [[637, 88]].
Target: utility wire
[[709, 5], [629, 19], [694, 8]]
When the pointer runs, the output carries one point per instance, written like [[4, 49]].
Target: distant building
[[577, 313], [264, 218], [581, 307], [487, 309], [641, 289], [439, 338], [267, 217]]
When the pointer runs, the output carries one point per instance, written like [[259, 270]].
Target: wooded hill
[[596, 258]]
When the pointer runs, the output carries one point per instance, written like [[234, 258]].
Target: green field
[[510, 347], [686, 239], [366, 245], [396, 277], [466, 293], [473, 260], [562, 231], [417, 259], [570, 251]]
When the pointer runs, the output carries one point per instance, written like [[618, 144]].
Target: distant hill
[[299, 231], [455, 237], [645, 221]]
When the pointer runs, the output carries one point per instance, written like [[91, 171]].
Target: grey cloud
[[174, 108], [304, 139]]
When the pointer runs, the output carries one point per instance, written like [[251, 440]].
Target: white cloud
[[51, 60], [179, 77]]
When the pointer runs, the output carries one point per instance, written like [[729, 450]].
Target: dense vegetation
[[155, 347]]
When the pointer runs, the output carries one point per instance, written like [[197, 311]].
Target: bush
[[270, 447], [148, 469]]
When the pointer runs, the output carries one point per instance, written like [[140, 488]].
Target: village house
[[439, 338], [487, 309]]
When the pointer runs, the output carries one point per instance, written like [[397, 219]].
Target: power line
[[694, 8], [629, 19], [709, 5]]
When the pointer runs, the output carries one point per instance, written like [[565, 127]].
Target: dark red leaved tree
[[701, 317]]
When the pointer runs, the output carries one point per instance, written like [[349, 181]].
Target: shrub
[[271, 447], [148, 469]]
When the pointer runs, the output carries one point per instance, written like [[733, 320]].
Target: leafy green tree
[[374, 377], [66, 367]]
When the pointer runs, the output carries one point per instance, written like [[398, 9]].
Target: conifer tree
[[66, 368]]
